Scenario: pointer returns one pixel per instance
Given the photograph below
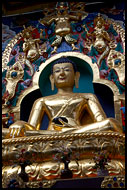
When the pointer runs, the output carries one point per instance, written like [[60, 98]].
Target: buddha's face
[[64, 75]]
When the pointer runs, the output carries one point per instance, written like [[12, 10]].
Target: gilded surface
[[110, 180], [13, 76], [30, 48], [44, 147], [82, 111], [6, 180], [62, 26], [83, 114], [100, 37], [69, 106], [7, 52]]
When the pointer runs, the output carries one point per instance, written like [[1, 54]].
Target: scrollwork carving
[[13, 76], [86, 144]]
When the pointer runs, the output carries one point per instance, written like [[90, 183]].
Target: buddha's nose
[[62, 72]]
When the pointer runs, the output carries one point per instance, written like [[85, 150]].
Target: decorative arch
[[81, 56], [93, 68], [85, 58]]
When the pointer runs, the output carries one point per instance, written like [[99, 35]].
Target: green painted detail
[[93, 51], [119, 47], [11, 62], [84, 35], [81, 48], [103, 65], [52, 39], [111, 29], [75, 36]]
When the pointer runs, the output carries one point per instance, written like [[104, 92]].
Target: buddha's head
[[64, 74]]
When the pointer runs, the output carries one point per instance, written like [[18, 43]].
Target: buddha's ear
[[52, 82], [77, 76]]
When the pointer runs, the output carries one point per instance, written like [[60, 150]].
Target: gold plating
[[110, 135], [109, 180]]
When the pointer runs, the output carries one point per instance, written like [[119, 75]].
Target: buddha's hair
[[64, 60]]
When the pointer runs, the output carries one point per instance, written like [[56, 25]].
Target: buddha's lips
[[62, 78]]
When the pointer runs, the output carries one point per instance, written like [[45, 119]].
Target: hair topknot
[[64, 60]]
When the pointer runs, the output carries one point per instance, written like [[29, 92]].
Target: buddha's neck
[[63, 91]]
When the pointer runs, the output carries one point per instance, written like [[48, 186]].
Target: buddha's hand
[[60, 122], [17, 130], [57, 127]]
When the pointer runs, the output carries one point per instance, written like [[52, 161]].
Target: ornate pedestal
[[41, 150]]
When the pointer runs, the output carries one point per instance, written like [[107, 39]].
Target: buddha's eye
[[67, 69], [57, 71]]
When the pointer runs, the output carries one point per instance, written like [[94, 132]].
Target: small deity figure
[[30, 47], [13, 76], [100, 37], [68, 112], [62, 27]]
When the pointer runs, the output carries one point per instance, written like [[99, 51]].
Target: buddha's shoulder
[[43, 99], [86, 95], [58, 97]]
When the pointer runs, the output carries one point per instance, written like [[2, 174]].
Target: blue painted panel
[[45, 122]]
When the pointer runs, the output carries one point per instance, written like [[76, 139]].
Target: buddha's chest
[[67, 107]]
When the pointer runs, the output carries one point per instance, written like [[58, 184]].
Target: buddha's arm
[[47, 21], [37, 113], [101, 122], [19, 128], [96, 108], [76, 18]]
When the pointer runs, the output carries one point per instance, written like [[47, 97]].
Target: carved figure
[[68, 112], [62, 25], [13, 76], [30, 47], [100, 38]]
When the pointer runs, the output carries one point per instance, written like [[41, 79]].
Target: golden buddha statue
[[68, 112]]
